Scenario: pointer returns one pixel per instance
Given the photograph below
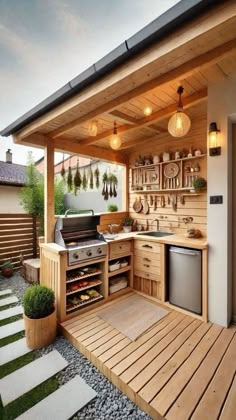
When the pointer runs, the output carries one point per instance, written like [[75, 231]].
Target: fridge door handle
[[192, 254]]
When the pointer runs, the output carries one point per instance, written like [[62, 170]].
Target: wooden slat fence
[[18, 238]]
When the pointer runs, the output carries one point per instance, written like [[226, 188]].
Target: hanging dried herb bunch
[[97, 174], [77, 179], [105, 186], [84, 181], [69, 179], [90, 178], [63, 171]]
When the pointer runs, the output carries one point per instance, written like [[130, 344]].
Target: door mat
[[133, 316]]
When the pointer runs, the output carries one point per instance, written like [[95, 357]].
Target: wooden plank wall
[[18, 238], [195, 206]]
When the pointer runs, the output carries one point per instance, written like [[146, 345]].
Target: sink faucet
[[157, 221]]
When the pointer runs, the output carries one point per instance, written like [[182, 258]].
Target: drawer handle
[[147, 259], [146, 265], [147, 274], [146, 246]]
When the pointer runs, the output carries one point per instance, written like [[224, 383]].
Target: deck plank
[[163, 401], [170, 369], [213, 399], [229, 408], [191, 395]]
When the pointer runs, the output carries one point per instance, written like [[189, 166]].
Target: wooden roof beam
[[183, 71], [156, 116]]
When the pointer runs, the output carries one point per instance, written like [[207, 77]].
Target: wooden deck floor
[[180, 369]]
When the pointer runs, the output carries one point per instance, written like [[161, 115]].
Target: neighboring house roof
[[168, 22], [12, 174]]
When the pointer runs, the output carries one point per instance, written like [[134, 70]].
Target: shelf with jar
[[168, 176]]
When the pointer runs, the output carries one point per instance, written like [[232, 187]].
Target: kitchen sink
[[156, 234]]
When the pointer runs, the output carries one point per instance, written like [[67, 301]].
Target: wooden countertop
[[176, 239]]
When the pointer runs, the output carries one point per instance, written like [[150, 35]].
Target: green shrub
[[112, 207], [199, 184], [38, 302]]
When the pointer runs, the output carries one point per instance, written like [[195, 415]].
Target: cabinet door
[[119, 248]]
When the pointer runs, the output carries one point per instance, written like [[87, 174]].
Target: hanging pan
[[137, 206]]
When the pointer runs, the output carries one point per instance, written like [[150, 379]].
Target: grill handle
[[78, 211]]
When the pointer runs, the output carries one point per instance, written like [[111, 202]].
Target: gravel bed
[[110, 403]]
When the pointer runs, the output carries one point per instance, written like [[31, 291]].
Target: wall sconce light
[[214, 148], [147, 110], [115, 140], [179, 124], [93, 128]]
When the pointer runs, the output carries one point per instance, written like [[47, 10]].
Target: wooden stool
[[32, 270]]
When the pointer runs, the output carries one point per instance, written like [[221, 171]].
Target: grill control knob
[[99, 251], [76, 256], [89, 253]]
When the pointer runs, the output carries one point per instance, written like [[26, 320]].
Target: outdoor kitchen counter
[[176, 239]]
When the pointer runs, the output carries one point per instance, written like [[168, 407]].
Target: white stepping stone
[[5, 292], [13, 350], [63, 403], [28, 377], [12, 328], [9, 300], [8, 313]]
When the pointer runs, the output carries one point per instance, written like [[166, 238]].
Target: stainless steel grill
[[79, 235]]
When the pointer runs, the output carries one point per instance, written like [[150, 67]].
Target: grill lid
[[70, 229]]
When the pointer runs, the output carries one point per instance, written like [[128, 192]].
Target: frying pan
[[137, 206]]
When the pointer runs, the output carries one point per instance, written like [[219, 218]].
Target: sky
[[46, 43]]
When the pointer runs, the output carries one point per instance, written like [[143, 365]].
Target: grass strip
[[11, 339], [19, 406], [9, 320], [5, 296], [17, 364], [10, 305]]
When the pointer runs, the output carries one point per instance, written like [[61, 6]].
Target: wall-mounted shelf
[[173, 176]]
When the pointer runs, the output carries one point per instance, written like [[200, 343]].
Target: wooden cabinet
[[149, 268], [175, 175], [120, 265]]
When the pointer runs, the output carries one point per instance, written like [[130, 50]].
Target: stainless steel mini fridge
[[185, 278]]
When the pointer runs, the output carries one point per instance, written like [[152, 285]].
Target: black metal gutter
[[180, 14]]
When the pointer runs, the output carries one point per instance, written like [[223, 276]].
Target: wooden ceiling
[[193, 57]]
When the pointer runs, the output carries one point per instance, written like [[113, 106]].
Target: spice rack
[[165, 177]]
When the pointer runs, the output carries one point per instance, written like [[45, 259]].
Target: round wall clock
[[171, 170]]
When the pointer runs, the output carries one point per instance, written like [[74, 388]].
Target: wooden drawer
[[147, 259], [153, 256], [147, 267], [119, 248], [146, 274], [147, 246]]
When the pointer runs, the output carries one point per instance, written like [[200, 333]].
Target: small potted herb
[[7, 268], [127, 224], [39, 316], [199, 184], [112, 207]]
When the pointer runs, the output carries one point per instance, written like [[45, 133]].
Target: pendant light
[[147, 110], [115, 140], [93, 128], [179, 124]]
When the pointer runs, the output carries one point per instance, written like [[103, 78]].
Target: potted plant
[[112, 207], [127, 224], [39, 316], [7, 268], [199, 184]]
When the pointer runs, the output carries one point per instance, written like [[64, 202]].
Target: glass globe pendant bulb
[[179, 124], [115, 140]]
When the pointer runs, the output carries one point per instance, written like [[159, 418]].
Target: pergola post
[[49, 217]]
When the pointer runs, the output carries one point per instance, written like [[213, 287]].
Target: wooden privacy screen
[[18, 238]]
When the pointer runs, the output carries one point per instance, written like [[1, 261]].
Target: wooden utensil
[[151, 200], [145, 206], [138, 205], [155, 202], [163, 201]]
